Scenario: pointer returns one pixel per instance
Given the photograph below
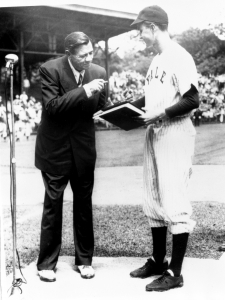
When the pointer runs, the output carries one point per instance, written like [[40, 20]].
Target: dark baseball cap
[[153, 14]]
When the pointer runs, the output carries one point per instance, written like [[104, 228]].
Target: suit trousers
[[51, 225]]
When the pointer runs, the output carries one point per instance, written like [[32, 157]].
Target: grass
[[125, 148], [123, 231]]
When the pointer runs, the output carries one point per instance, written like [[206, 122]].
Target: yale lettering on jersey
[[156, 74]]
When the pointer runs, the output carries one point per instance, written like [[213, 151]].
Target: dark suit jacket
[[66, 132]]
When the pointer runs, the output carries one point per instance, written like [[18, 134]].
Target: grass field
[[122, 148], [117, 147]]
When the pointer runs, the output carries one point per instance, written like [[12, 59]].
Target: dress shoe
[[47, 275], [86, 272]]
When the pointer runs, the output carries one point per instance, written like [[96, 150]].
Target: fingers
[[100, 84], [97, 113], [144, 121], [140, 120], [97, 85]]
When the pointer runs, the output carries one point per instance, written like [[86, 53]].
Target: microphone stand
[[13, 174]]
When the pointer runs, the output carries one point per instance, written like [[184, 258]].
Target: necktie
[[80, 80]]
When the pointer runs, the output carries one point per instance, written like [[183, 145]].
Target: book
[[121, 114]]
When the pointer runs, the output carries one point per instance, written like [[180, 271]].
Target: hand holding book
[[150, 116], [121, 114], [96, 115]]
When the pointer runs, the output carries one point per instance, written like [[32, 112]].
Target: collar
[[75, 72]]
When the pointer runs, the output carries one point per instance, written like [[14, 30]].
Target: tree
[[218, 30], [136, 61], [206, 48]]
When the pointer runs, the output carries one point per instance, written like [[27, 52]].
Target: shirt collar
[[75, 72]]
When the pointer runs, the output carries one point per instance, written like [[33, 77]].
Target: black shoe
[[165, 283], [151, 268]]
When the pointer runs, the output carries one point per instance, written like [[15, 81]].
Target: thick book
[[121, 114]]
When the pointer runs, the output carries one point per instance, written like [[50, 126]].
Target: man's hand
[[150, 116], [96, 85], [95, 116]]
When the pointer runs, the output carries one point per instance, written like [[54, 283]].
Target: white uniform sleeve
[[186, 73]]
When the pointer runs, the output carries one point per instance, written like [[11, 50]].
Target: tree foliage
[[138, 61], [206, 48]]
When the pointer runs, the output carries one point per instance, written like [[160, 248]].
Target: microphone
[[11, 59]]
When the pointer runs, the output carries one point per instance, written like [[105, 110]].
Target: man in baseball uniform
[[171, 93]]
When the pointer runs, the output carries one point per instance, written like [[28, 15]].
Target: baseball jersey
[[169, 77], [169, 148]]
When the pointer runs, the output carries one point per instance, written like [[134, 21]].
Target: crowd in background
[[27, 116], [27, 111], [126, 82], [212, 100]]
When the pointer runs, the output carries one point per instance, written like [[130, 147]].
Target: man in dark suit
[[73, 89]]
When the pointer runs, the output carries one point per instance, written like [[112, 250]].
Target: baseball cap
[[152, 13]]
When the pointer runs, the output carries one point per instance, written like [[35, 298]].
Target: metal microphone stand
[[13, 174]]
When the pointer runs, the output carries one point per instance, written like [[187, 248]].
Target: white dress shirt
[[77, 76]]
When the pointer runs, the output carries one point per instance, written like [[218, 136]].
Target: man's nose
[[140, 36]]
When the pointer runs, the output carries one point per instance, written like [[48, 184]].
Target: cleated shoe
[[165, 283], [151, 268]]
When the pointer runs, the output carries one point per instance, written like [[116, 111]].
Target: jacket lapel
[[67, 78]]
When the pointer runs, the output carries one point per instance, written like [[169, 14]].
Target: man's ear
[[153, 27]]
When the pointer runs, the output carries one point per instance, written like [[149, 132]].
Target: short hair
[[74, 40], [162, 27]]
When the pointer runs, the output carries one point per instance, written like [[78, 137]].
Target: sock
[[178, 252], [159, 243]]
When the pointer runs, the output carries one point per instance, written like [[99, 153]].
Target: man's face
[[147, 34], [83, 57]]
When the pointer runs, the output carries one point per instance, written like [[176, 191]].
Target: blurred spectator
[[221, 113], [219, 97], [26, 84], [24, 98], [197, 117], [3, 126]]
